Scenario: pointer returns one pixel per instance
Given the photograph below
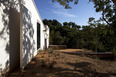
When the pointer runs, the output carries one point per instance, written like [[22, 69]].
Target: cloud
[[63, 13], [59, 10], [56, 5]]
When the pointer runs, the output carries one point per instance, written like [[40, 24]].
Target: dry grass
[[58, 64]]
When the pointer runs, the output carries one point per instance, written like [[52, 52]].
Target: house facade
[[22, 33]]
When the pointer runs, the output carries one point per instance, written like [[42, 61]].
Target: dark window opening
[[38, 35]]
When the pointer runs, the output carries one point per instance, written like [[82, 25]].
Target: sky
[[79, 13]]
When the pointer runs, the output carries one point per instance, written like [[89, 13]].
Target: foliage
[[95, 36], [106, 7], [62, 34], [66, 2]]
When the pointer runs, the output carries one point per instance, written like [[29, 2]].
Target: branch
[[107, 22]]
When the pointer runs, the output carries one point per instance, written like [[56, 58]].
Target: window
[[38, 35]]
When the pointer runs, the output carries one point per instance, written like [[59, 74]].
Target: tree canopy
[[94, 36], [67, 6]]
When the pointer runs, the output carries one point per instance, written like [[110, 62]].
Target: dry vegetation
[[58, 64]]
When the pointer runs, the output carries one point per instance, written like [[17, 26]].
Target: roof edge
[[37, 11]]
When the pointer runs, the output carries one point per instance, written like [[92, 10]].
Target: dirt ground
[[59, 64], [73, 50]]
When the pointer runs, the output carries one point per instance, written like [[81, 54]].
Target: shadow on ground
[[65, 66]]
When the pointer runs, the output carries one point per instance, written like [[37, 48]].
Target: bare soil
[[60, 64]]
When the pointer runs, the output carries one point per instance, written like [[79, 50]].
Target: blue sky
[[79, 13]]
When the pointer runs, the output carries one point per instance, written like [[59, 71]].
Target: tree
[[65, 24], [62, 34], [104, 6], [78, 27], [66, 2], [94, 36]]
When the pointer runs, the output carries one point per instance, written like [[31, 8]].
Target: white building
[[19, 21]]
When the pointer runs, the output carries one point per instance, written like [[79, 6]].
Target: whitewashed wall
[[4, 38], [46, 34], [9, 34], [30, 17], [18, 33], [48, 30]]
